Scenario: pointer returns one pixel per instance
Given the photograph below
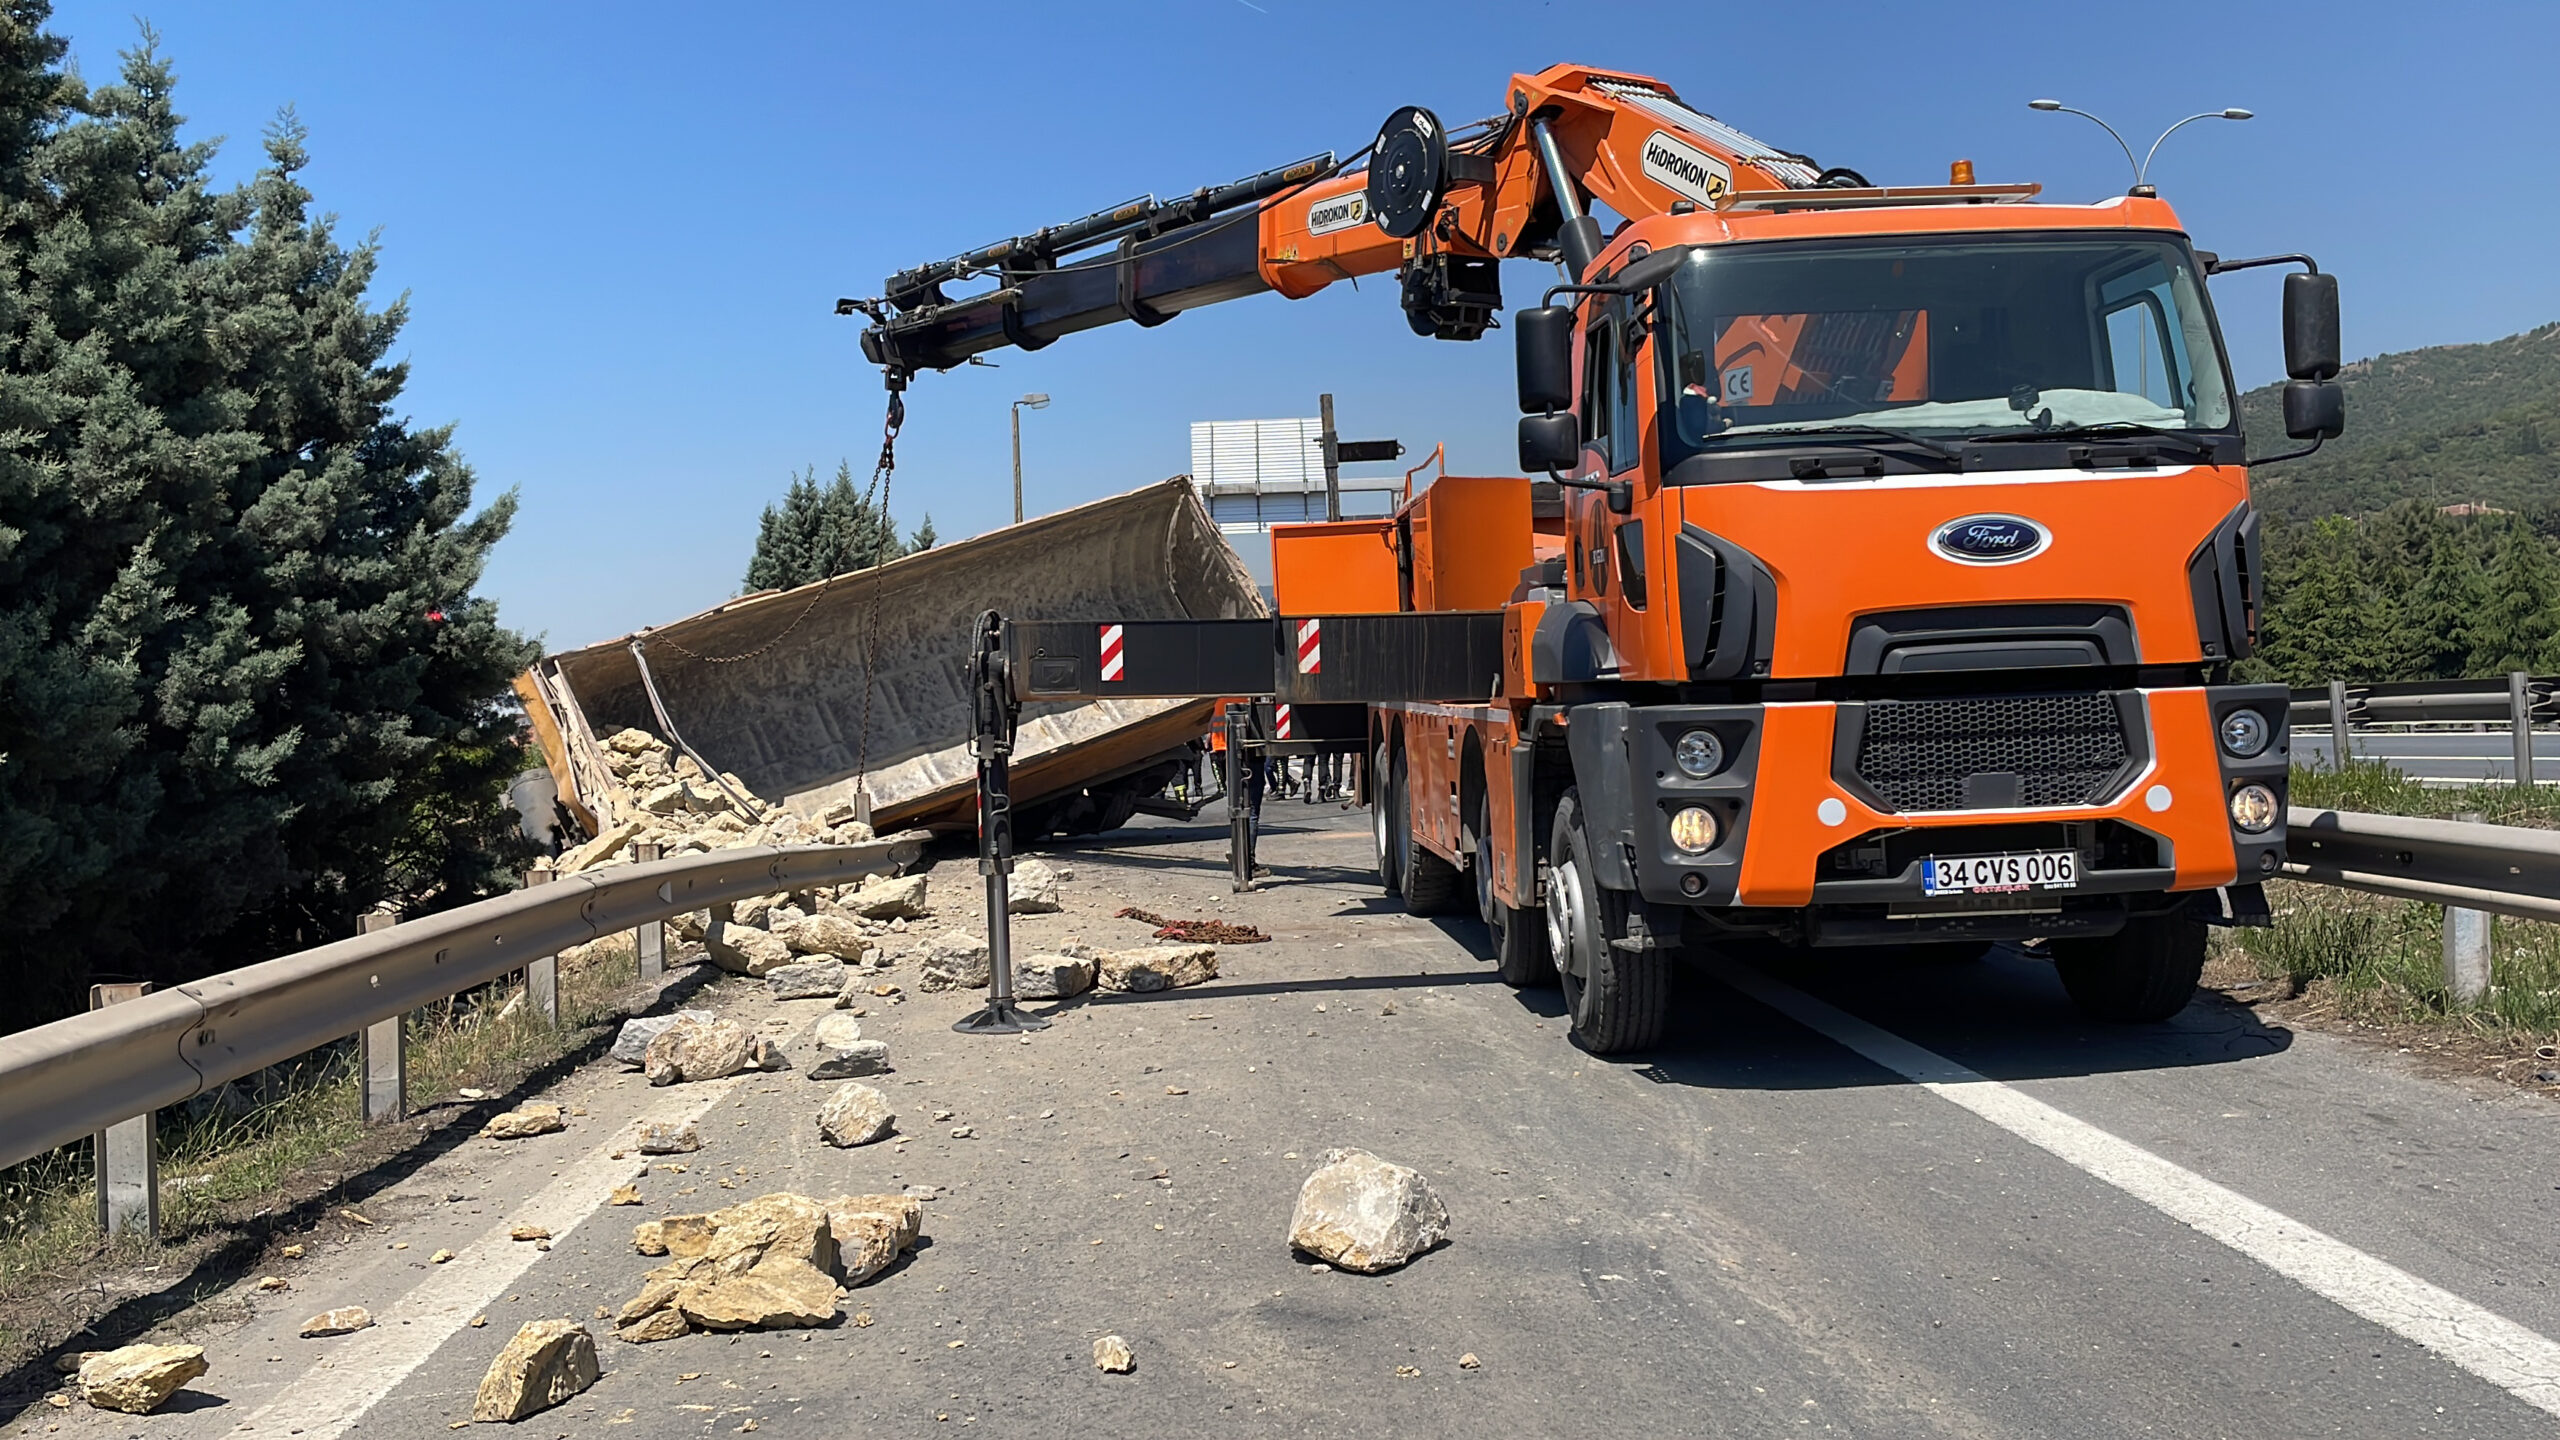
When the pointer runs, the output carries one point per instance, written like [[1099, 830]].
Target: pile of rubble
[[663, 797]]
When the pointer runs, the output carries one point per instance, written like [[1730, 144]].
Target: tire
[[1619, 999], [2143, 973], [1432, 886], [1384, 805], [1519, 936]]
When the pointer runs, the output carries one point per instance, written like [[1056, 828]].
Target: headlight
[[1694, 829], [1699, 754], [2253, 809], [2244, 733]]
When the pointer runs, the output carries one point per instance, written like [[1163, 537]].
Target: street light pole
[[2141, 168], [1036, 402]]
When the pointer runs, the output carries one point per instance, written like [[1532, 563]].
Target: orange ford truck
[[1875, 576]]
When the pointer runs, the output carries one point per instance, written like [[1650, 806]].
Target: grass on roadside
[[2376, 959], [2377, 789], [255, 1145]]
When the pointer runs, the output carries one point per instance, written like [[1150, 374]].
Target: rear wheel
[[2145, 972], [1519, 936], [1619, 998], [1432, 886], [1384, 805]]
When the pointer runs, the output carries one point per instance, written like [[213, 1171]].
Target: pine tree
[[923, 538], [245, 689], [2519, 614], [2324, 619], [822, 531], [2433, 613]]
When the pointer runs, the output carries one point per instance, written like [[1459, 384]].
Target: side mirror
[[1544, 336], [2315, 409], [1549, 442], [2310, 329]]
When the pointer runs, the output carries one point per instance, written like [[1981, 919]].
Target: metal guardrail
[[78, 1076], [2410, 702], [2502, 869]]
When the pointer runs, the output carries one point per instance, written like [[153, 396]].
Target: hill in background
[[2442, 425]]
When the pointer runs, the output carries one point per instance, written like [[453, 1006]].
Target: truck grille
[[2061, 749]]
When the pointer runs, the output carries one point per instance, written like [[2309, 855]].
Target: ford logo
[[1989, 539]]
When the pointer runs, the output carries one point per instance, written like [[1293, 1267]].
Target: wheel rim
[[1378, 825], [1482, 865], [1564, 906]]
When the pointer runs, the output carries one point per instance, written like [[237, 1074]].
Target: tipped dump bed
[[788, 717]]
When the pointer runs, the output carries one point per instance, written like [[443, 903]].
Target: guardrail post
[[649, 942], [2466, 949], [542, 977], [383, 1059], [2520, 719], [127, 1152], [2341, 742]]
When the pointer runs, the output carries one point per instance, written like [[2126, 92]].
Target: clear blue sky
[[623, 227]]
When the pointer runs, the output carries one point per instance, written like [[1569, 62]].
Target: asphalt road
[[1756, 1230]]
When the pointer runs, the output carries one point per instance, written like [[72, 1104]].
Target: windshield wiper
[[1886, 441], [2194, 448]]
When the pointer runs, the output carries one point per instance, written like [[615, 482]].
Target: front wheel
[[1619, 997], [2145, 972]]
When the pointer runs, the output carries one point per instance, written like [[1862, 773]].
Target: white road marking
[[369, 1363], [2519, 1361]]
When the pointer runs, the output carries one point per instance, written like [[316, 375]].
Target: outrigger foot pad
[[1003, 1017]]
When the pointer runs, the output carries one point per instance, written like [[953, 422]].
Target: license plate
[[2000, 874]]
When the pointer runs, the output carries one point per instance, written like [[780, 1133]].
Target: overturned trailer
[[772, 689]]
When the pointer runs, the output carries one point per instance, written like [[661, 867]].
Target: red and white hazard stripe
[[1111, 661], [1310, 647], [1280, 720]]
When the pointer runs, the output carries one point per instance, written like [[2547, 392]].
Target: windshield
[[1972, 338]]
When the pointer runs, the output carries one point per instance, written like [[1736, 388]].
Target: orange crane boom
[[1441, 209]]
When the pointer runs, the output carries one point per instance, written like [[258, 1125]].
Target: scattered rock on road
[[862, 1057], [765, 1055], [1032, 889], [138, 1379], [1052, 977], [889, 898], [624, 1195], [345, 1320], [1361, 1213], [812, 980], [768, 1263], [836, 1032], [529, 1232], [954, 960], [657, 1137], [1158, 967], [855, 1115], [547, 1362], [742, 949], [631, 1043], [523, 1123], [825, 934], [698, 1050], [1111, 1356]]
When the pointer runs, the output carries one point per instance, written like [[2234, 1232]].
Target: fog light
[[2267, 862], [2253, 809], [1694, 830], [2244, 733], [1699, 754], [1693, 883]]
